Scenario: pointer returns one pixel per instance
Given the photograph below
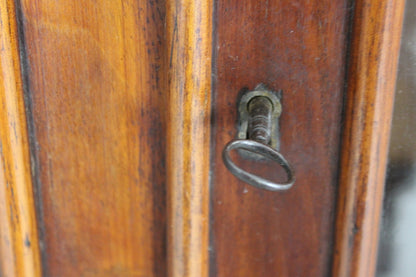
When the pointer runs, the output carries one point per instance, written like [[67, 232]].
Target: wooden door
[[114, 115]]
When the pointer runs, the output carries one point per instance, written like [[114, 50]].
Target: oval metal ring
[[265, 151]]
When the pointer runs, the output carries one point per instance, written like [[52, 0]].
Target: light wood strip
[[373, 60], [19, 246], [189, 28]]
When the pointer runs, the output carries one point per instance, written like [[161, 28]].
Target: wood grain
[[19, 246], [297, 46], [96, 94], [189, 32], [375, 42]]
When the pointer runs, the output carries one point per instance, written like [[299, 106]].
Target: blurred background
[[397, 247]]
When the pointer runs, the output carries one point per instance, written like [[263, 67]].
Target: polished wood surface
[[98, 134], [297, 46], [189, 27], [375, 42], [19, 246], [120, 153]]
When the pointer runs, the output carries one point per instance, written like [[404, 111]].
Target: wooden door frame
[[19, 243], [189, 42], [371, 78]]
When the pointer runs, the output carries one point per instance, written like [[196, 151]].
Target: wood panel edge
[[188, 58], [372, 70], [19, 243]]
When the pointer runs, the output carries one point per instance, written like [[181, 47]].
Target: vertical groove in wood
[[189, 29], [371, 79], [19, 246]]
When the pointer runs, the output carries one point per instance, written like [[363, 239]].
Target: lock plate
[[244, 117]]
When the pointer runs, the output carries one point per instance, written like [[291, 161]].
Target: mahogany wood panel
[[300, 47], [19, 246], [372, 71], [97, 112], [189, 35]]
